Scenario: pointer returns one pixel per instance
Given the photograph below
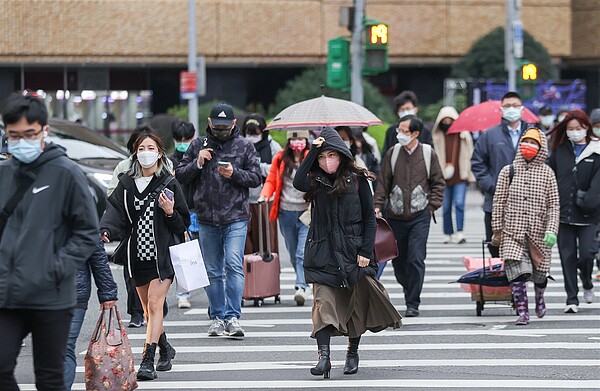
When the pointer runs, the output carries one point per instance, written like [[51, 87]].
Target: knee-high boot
[[540, 304], [519, 290], [146, 371], [166, 353], [351, 366], [324, 365]]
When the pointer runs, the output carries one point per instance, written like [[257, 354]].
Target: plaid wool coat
[[527, 206]]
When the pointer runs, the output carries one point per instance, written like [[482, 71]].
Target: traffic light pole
[[511, 51], [356, 86]]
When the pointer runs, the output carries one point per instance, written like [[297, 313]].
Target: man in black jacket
[[50, 231], [405, 104], [222, 167]]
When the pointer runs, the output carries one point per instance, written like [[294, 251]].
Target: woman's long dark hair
[[559, 133], [340, 183]]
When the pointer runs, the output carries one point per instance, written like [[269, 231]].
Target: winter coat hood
[[445, 112], [334, 142], [542, 155]]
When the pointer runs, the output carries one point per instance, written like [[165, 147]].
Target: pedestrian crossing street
[[446, 347]]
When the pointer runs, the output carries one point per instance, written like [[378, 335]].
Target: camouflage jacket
[[218, 200]]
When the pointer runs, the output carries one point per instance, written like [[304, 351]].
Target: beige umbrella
[[323, 112]]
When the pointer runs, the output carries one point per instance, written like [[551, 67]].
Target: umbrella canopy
[[484, 115], [323, 112], [483, 276]]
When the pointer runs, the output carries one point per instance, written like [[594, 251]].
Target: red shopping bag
[[108, 362]]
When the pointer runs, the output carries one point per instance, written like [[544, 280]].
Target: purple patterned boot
[[540, 304], [519, 290]]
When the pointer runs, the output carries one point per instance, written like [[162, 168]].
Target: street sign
[[187, 85], [518, 39]]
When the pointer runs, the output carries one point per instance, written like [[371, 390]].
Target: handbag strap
[[9, 208]]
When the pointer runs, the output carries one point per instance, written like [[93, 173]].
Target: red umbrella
[[484, 115]]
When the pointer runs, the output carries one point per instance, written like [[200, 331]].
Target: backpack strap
[[427, 157], [511, 173], [395, 154]]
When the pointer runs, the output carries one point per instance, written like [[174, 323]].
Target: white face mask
[[512, 114], [596, 132], [254, 138], [147, 158], [561, 117], [547, 120], [348, 144], [406, 112], [576, 135], [403, 139]]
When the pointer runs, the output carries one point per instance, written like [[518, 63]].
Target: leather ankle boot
[[519, 290], [324, 365], [540, 304], [351, 366], [166, 353], [146, 371]]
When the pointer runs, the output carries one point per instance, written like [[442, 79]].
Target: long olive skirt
[[366, 306]]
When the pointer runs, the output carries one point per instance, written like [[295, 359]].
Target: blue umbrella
[[486, 277]]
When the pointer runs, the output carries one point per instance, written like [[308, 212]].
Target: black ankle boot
[[146, 371], [324, 365], [351, 366], [165, 354]]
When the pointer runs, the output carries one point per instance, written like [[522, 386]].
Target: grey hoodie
[[51, 233]]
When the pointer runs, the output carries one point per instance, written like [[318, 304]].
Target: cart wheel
[[479, 308], [242, 302], [258, 302], [277, 299]]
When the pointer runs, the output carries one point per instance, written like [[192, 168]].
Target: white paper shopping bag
[[188, 263]]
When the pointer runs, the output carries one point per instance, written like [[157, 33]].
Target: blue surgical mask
[[182, 147], [25, 150]]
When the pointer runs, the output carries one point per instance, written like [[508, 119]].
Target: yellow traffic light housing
[[529, 72]]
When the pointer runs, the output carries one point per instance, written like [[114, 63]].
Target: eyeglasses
[[515, 105], [27, 135]]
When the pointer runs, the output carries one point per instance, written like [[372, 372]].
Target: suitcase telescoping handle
[[266, 256]]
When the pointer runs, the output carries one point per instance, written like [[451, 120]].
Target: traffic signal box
[[338, 63], [527, 80], [375, 48]]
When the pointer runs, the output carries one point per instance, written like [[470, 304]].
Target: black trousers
[[494, 251], [409, 266], [570, 239], [49, 331]]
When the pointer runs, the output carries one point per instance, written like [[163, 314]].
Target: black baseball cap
[[221, 114]]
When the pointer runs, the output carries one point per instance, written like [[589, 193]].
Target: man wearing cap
[[222, 167]]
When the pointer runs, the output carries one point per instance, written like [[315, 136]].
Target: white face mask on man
[[512, 114], [403, 139]]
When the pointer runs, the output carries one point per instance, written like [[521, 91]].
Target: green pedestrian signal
[[375, 48], [338, 63]]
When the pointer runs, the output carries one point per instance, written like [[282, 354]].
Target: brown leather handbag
[[386, 247]]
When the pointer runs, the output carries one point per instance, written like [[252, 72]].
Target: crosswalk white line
[[423, 320], [432, 295], [521, 332], [488, 346], [423, 307], [335, 383]]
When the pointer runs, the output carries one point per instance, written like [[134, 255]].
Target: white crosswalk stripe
[[446, 347]]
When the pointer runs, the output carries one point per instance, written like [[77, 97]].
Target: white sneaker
[[458, 238], [300, 296], [571, 309], [183, 302], [446, 239], [588, 295]]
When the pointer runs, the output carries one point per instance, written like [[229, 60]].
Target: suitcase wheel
[[242, 302], [277, 299], [258, 302], [479, 307]]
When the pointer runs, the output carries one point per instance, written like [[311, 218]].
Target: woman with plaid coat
[[525, 221]]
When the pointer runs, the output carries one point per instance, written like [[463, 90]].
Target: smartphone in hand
[[223, 164], [168, 194]]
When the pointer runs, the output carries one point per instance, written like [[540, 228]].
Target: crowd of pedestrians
[[324, 190]]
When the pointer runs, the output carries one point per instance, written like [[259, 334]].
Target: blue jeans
[[223, 251], [454, 196], [71, 356], [294, 232]]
